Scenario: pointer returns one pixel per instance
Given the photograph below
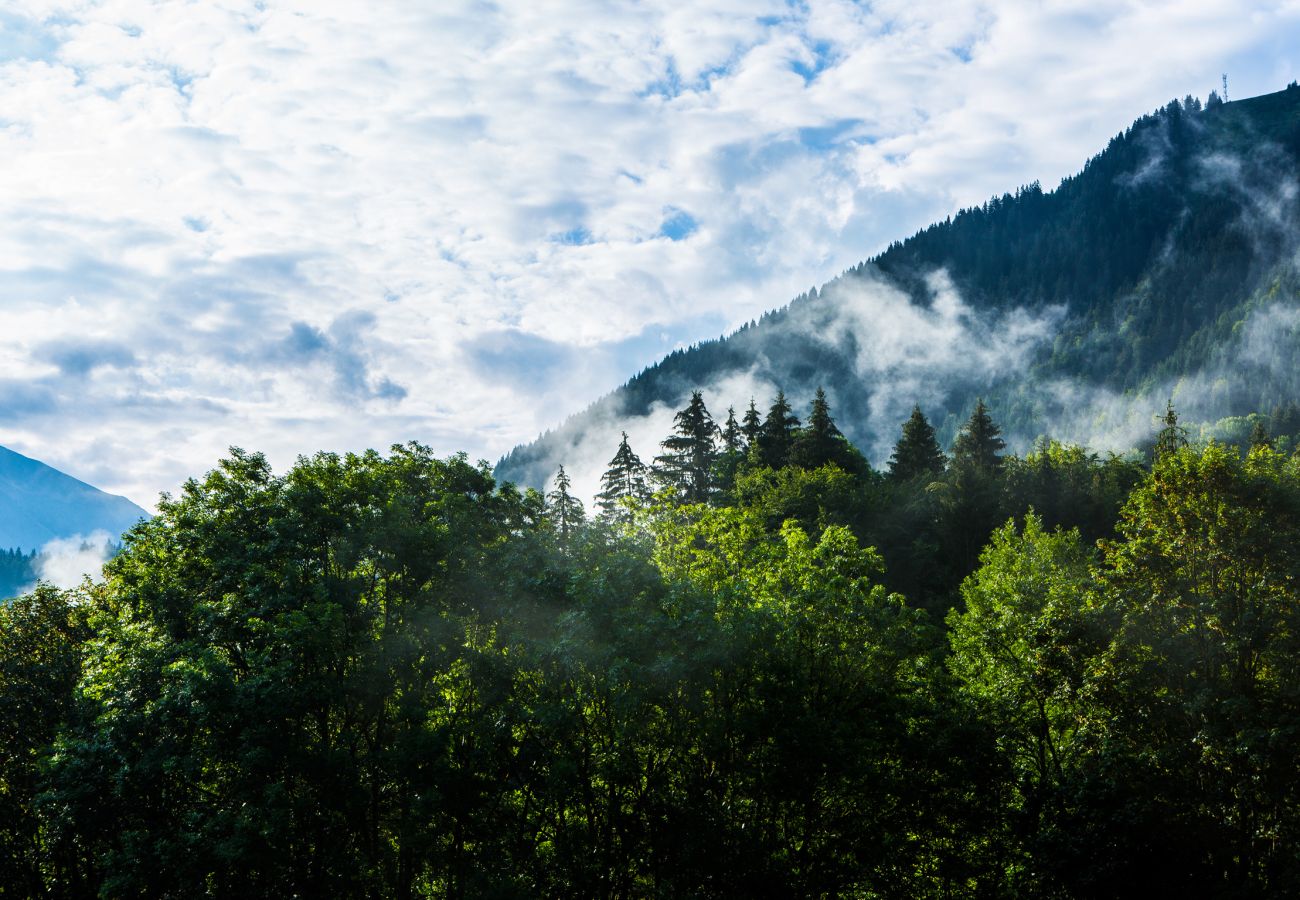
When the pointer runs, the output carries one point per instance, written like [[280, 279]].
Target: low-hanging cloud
[[572, 173], [67, 562]]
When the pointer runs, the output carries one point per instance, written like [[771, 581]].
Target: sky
[[295, 226]]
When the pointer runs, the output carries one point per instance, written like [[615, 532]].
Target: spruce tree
[[563, 509], [733, 453], [820, 442], [1172, 436], [733, 438], [624, 479], [979, 442], [686, 465], [1259, 436], [917, 451], [752, 425], [777, 436]]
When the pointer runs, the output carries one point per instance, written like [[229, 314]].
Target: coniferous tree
[[752, 425], [1172, 436], [1259, 436], [686, 465], [777, 436], [820, 441], [917, 451], [733, 452], [733, 438], [624, 479], [564, 510], [979, 442]]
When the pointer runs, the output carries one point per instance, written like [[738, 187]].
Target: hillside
[[1165, 268], [39, 504]]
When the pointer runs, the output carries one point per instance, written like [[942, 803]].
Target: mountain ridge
[[41, 504], [1164, 266]]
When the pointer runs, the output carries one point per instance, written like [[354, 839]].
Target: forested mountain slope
[[1165, 268]]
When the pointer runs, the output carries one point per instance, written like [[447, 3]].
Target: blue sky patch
[[25, 39], [678, 224]]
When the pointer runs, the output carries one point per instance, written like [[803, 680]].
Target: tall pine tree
[[752, 425], [563, 509], [1172, 436], [733, 452], [979, 442], [820, 441], [777, 436], [917, 452], [686, 464], [624, 479]]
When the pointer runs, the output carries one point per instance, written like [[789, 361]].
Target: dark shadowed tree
[[625, 479], [686, 465], [777, 436], [1172, 436], [752, 424], [563, 509], [733, 452], [979, 442], [917, 452], [820, 442]]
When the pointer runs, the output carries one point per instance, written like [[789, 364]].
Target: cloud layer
[[302, 225]]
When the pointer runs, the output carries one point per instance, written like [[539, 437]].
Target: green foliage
[[387, 676], [979, 442], [685, 468], [917, 453], [776, 439], [623, 482]]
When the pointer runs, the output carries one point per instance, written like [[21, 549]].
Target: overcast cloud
[[303, 225]]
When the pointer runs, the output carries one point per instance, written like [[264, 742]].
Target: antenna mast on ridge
[[1225, 87]]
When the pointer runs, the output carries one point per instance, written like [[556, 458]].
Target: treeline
[[391, 676], [17, 571]]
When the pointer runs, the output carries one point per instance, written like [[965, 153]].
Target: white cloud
[[203, 188]]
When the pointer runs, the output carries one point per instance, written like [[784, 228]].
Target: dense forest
[[17, 571], [759, 667], [1166, 266]]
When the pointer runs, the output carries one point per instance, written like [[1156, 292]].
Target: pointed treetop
[[979, 442], [1172, 436], [777, 435], [752, 424], [733, 439], [917, 451], [563, 509], [625, 479], [821, 442], [686, 465]]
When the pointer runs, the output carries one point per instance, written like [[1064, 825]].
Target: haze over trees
[[391, 675], [764, 667], [1165, 266]]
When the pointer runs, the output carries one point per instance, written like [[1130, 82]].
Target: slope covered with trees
[[979, 674], [1166, 266]]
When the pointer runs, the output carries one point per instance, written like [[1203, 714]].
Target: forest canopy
[[780, 673]]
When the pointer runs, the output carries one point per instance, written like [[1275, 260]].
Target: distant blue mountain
[[39, 504]]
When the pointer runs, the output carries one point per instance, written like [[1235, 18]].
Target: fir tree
[[733, 452], [752, 425], [686, 465], [1259, 436], [820, 442], [777, 436], [917, 451], [563, 509], [733, 439], [624, 479], [979, 442], [1172, 436]]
